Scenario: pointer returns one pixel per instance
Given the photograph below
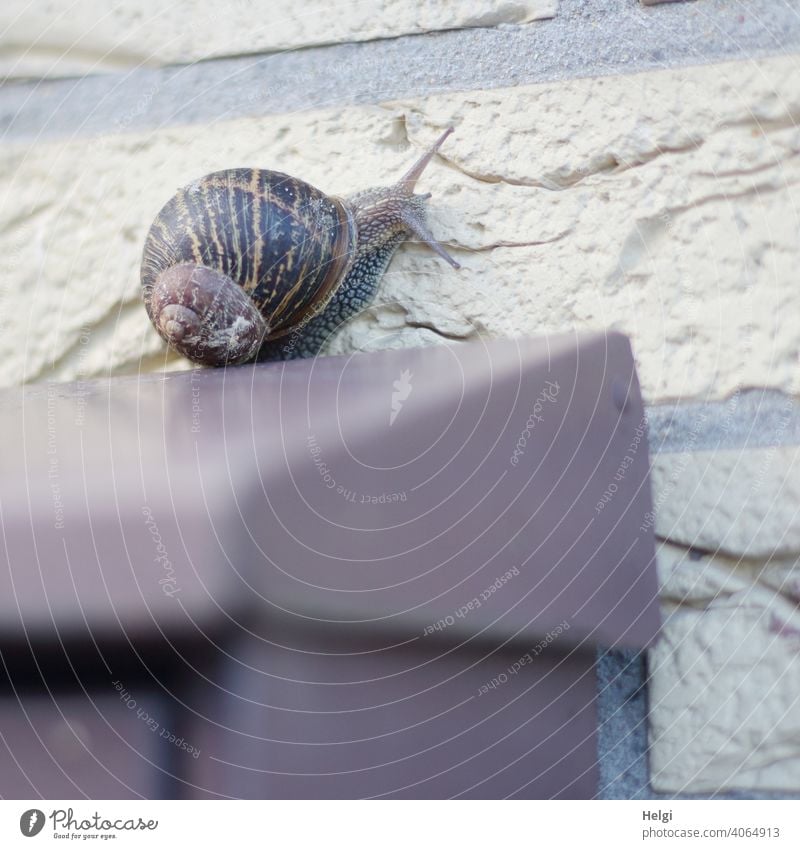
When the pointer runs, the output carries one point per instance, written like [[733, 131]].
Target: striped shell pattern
[[286, 244]]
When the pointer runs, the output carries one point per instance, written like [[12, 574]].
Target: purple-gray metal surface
[[376, 575]]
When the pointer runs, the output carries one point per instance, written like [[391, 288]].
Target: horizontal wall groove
[[605, 39]]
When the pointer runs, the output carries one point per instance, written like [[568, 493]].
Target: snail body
[[249, 264]]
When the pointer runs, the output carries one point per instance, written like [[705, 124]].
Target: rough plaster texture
[[663, 204], [586, 38], [725, 675], [739, 503], [56, 39]]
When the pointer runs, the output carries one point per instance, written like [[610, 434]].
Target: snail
[[250, 264]]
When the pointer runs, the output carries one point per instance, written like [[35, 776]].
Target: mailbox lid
[[506, 480]]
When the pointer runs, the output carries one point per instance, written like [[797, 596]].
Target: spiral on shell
[[283, 244]]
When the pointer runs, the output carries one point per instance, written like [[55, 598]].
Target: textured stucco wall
[[725, 689], [52, 39], [663, 203]]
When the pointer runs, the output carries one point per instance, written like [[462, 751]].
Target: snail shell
[[244, 256]]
